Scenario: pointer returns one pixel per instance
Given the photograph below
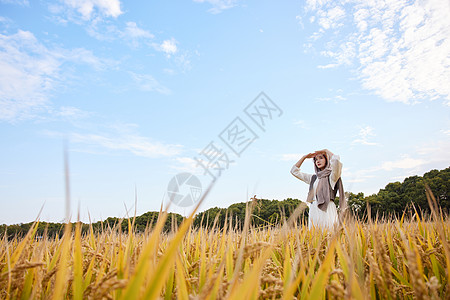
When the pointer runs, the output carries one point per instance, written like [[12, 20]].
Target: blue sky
[[139, 89]]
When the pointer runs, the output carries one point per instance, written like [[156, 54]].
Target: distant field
[[397, 259]]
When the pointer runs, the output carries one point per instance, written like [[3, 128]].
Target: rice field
[[393, 259]]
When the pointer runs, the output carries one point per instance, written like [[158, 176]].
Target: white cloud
[[398, 48], [420, 160], [342, 56], [30, 73], [328, 66], [170, 49], [187, 164], [168, 46], [405, 162], [114, 138], [300, 21], [71, 113], [336, 99], [302, 124], [357, 179], [138, 145], [148, 83], [81, 55], [134, 32], [434, 155], [436, 152], [169, 71], [336, 96], [365, 133], [95, 15], [131, 33], [5, 20], [331, 17], [446, 132], [90, 9], [183, 61], [357, 176], [219, 5]]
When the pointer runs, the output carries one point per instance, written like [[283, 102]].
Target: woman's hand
[[309, 155], [324, 151]]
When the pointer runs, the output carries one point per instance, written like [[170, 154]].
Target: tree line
[[408, 196], [393, 200]]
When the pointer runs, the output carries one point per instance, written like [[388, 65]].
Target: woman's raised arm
[[296, 169], [301, 160], [336, 169]]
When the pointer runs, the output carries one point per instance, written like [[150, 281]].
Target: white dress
[[318, 217]]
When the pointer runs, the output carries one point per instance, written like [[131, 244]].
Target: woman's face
[[320, 161]]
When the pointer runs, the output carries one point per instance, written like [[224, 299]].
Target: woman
[[322, 188]]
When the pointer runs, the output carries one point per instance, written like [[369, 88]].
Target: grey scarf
[[323, 193]]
